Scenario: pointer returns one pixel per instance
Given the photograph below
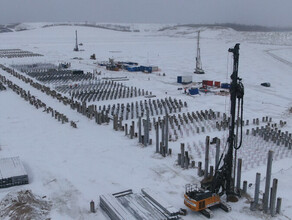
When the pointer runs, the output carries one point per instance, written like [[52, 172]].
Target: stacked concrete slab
[[12, 172], [127, 205]]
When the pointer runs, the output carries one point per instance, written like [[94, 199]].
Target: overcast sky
[[259, 12]]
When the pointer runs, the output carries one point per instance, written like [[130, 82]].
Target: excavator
[[209, 194]]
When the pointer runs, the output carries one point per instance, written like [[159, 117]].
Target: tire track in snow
[[282, 60]]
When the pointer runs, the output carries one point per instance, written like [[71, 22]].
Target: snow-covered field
[[71, 166]]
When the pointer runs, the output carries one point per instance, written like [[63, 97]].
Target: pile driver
[[209, 194]]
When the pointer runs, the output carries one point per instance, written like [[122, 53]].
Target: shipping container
[[217, 84], [146, 69], [208, 82], [186, 79], [134, 69], [194, 91], [142, 68], [179, 79], [225, 85], [154, 68]]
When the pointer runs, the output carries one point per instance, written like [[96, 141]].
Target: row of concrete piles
[[35, 67], [106, 90], [162, 125], [143, 127], [135, 109], [271, 133], [53, 93], [2, 87], [17, 53], [90, 111], [199, 122], [37, 103], [183, 159], [192, 122], [59, 76], [185, 162], [223, 125], [270, 203], [101, 115]]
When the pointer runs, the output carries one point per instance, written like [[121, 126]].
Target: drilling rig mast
[[211, 190], [76, 44], [198, 69]]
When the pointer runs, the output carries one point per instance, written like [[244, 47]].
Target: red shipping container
[[217, 84], [208, 82]]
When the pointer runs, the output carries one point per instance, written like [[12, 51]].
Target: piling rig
[[76, 42], [212, 188], [199, 69]]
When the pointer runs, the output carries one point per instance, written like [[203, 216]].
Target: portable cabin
[[186, 79]]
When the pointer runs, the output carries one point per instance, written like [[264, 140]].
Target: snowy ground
[[71, 166]]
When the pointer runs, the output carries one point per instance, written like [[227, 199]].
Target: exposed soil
[[24, 205]]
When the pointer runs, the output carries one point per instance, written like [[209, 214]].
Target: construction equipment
[[198, 69], [92, 57], [200, 199], [76, 44], [112, 65]]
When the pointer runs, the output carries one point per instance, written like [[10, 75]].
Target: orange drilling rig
[[201, 199]]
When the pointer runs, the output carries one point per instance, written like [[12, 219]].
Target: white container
[[186, 79]]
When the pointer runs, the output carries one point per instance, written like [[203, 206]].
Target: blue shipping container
[[179, 79], [138, 68], [194, 91], [133, 69], [225, 85], [147, 69], [142, 68]]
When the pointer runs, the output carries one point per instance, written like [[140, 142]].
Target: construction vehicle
[[112, 65], [93, 57], [76, 42], [198, 69], [201, 199]]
